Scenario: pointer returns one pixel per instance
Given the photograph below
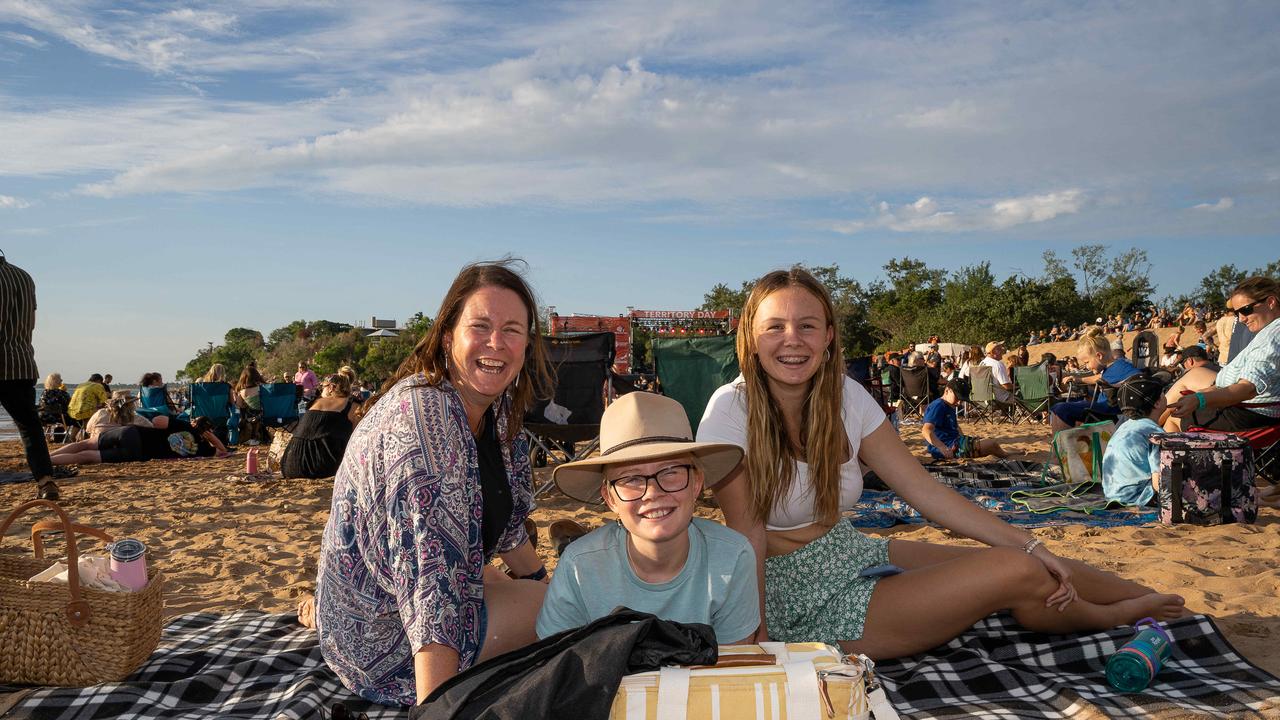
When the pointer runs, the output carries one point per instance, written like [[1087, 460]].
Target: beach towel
[[1016, 505], [254, 666], [999, 670]]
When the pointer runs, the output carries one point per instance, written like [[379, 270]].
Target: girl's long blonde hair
[[771, 456]]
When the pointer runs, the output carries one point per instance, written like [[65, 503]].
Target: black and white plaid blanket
[[998, 670], [258, 666]]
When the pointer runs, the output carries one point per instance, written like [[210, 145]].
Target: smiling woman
[[435, 481]]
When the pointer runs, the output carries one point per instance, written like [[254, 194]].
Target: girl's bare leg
[[932, 603]]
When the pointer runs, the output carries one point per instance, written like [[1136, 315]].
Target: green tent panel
[[691, 369]]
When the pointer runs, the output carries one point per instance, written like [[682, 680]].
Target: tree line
[[912, 302]]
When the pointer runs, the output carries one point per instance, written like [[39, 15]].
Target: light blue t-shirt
[[1128, 462], [717, 585]]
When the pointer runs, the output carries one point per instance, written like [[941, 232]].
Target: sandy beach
[[226, 544]]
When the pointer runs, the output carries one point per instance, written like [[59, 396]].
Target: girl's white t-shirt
[[725, 421]]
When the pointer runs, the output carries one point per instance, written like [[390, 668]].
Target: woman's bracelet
[[1031, 545], [538, 574], [1200, 399]]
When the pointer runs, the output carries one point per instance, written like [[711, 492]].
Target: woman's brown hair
[[1257, 287], [428, 357], [771, 456]]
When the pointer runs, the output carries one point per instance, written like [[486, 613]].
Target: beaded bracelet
[[1031, 545]]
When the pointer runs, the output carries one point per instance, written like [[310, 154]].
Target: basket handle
[[50, 525], [77, 610]]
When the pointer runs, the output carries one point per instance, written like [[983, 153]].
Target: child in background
[[941, 430], [1131, 461]]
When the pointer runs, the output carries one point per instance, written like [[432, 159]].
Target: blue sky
[[171, 170]]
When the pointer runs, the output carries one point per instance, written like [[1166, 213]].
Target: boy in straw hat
[[657, 558]]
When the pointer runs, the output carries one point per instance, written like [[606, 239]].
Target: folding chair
[[582, 366], [212, 400], [915, 391], [982, 396], [153, 402], [279, 404], [1034, 393], [691, 369]]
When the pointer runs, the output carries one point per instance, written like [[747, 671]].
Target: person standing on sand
[[18, 372], [306, 379]]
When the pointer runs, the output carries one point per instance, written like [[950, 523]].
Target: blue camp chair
[[279, 404], [153, 402], [212, 400]]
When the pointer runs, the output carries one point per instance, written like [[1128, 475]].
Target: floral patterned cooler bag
[[1197, 471]]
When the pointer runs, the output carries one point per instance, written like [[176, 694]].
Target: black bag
[[572, 674]]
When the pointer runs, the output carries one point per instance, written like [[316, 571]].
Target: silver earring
[[826, 355]]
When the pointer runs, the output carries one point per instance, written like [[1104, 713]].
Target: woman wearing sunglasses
[[1246, 392], [658, 558]]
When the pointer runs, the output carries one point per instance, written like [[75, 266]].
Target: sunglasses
[[1247, 310]]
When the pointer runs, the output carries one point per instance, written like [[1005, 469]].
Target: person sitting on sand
[[941, 429], [120, 411], [1094, 353], [806, 429], [246, 397], [320, 437], [1245, 394], [435, 482], [1130, 462], [657, 558], [87, 398]]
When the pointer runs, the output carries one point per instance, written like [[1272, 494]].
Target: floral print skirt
[[815, 595]]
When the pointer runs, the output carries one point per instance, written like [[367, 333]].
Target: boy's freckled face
[[658, 515]]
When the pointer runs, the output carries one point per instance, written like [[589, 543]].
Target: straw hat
[[639, 427]]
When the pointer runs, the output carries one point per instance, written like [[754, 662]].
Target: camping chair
[[1034, 392], [212, 400], [570, 413], [915, 391], [279, 404], [1146, 350], [982, 396], [691, 369], [153, 402]]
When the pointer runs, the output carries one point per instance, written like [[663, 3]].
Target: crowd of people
[[432, 481]]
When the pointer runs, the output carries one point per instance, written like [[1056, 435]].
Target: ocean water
[[8, 431]]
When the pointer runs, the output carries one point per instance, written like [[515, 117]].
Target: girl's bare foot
[[307, 611], [1159, 606]]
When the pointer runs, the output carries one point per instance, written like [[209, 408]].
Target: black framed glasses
[[1247, 310], [630, 488]]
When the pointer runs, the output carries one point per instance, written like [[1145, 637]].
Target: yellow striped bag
[[769, 681]]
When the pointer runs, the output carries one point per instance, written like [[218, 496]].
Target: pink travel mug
[[129, 563], [251, 462]]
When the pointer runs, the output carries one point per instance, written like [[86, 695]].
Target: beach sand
[[225, 545]]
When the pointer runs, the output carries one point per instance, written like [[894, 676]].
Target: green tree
[[1088, 259], [292, 331], [1127, 284], [1216, 286], [1054, 267], [722, 297]]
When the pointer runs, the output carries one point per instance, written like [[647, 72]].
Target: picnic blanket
[[255, 666], [883, 508], [998, 670]]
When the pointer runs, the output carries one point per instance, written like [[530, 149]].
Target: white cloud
[[22, 39], [927, 216], [1222, 205], [709, 102], [9, 202]]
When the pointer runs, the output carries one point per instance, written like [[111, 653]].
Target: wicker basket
[[54, 634]]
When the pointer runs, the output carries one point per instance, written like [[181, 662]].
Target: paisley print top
[[401, 558]]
